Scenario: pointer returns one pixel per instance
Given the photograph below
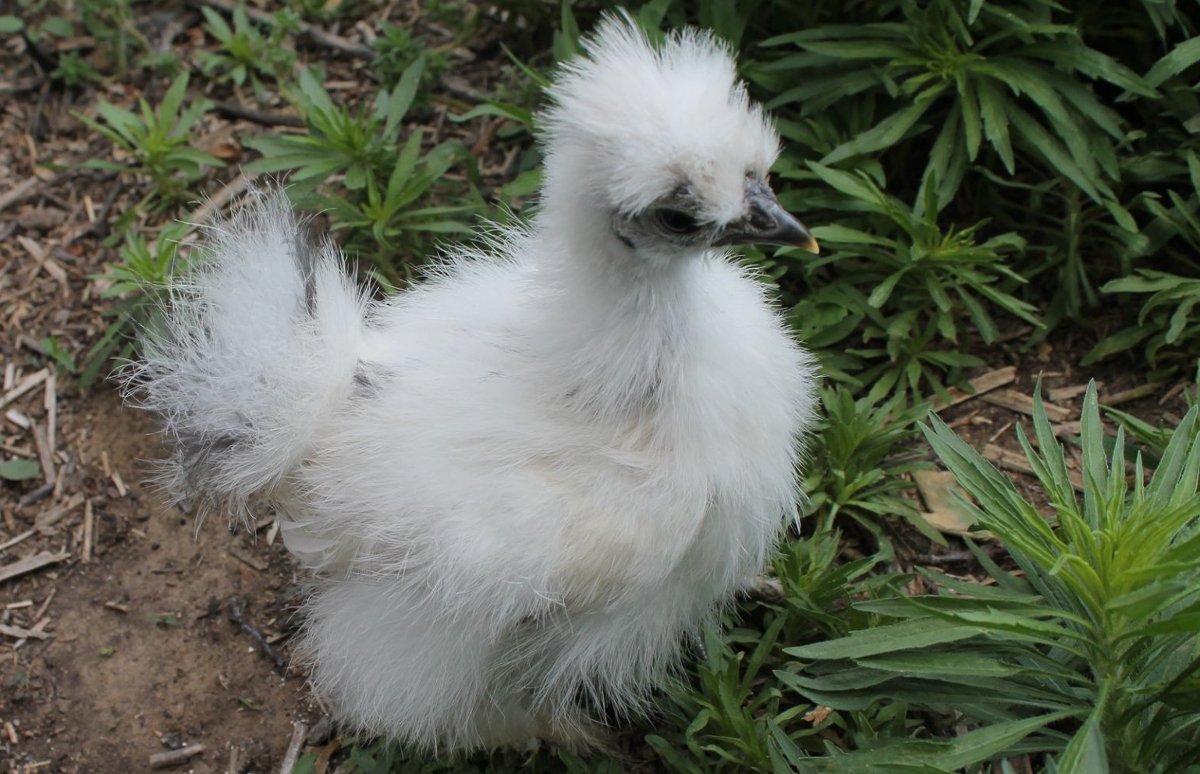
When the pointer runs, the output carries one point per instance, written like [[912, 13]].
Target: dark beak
[[766, 223]]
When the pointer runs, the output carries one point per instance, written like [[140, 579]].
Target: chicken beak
[[766, 223]]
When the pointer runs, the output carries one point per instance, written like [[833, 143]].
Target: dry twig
[[175, 757], [31, 563], [19, 633], [88, 529], [1023, 404], [980, 384], [299, 731], [27, 384]]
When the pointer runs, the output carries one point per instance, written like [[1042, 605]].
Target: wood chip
[[34, 248], [11, 732], [31, 563], [1064, 394], [980, 384], [19, 538], [18, 633], [175, 757], [19, 191], [50, 517], [49, 471], [299, 732], [27, 384], [1124, 396], [50, 403], [1023, 404], [46, 602], [119, 484], [117, 606], [88, 527], [1016, 461], [245, 558], [18, 419]]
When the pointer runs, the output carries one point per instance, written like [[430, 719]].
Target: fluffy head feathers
[[631, 123]]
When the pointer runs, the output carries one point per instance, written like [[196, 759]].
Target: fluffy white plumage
[[519, 484]]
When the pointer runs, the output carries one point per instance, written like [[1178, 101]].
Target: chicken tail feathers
[[256, 349]]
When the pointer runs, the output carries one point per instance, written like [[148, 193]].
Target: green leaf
[[917, 633], [401, 98], [1175, 62], [995, 123], [403, 170], [1119, 342], [305, 764], [989, 742], [1043, 143], [857, 49], [172, 101], [885, 134], [10, 24], [490, 107], [566, 38], [19, 470], [938, 663], [59, 27], [1085, 754]]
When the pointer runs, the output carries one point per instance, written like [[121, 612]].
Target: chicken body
[[519, 484]]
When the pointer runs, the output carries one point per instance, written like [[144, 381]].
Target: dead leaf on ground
[[943, 512]]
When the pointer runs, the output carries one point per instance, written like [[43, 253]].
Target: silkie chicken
[[520, 484]]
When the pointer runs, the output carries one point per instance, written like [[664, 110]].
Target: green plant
[[730, 715], [137, 286], [114, 27], [73, 70], [156, 143], [397, 49], [1167, 329], [860, 462], [1089, 655], [246, 53], [1016, 118], [386, 190], [904, 282], [979, 73], [729, 703], [1168, 324], [62, 359]]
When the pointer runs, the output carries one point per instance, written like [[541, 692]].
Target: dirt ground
[[140, 654], [119, 640]]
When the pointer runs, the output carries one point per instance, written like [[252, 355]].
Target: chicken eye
[[676, 221]]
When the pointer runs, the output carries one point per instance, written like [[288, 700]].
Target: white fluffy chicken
[[521, 483]]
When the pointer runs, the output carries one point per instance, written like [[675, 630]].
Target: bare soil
[[142, 655]]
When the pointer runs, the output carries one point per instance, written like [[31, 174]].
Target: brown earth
[[142, 655]]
